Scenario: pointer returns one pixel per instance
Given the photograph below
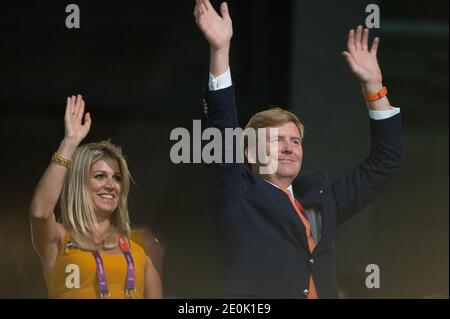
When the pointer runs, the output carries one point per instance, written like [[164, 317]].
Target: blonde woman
[[91, 253]]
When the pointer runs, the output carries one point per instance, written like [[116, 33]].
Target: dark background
[[141, 67]]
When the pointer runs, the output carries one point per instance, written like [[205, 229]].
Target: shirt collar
[[290, 189]]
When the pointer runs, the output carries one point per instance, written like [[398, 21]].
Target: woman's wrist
[[67, 147]]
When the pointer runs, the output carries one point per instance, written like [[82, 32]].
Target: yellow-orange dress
[[60, 278]]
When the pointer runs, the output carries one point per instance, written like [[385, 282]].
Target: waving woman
[[93, 252]]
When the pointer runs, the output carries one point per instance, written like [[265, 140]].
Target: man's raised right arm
[[223, 179], [218, 31]]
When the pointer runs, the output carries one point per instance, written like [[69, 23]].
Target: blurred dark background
[[141, 67]]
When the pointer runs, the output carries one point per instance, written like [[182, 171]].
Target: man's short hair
[[275, 116]]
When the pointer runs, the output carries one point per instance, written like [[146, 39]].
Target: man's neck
[[280, 183]]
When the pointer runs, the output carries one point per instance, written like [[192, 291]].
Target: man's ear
[[249, 159], [249, 156]]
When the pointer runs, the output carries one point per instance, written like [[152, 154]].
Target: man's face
[[288, 145], [285, 153]]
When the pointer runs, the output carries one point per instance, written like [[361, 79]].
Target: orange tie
[[311, 243]]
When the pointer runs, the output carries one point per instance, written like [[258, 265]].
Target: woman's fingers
[[69, 102], [74, 125], [80, 107], [87, 121], [67, 114], [73, 106]]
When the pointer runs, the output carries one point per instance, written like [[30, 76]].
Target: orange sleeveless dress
[[74, 274]]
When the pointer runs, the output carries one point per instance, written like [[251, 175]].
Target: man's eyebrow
[[292, 137]]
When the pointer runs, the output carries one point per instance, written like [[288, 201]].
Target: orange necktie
[[311, 243]]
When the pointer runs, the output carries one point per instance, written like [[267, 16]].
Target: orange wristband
[[372, 97]]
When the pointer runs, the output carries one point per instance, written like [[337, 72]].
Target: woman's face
[[105, 186]]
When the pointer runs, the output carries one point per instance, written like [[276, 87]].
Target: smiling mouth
[[285, 161], [106, 196]]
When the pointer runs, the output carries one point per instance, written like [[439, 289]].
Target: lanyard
[[129, 290]]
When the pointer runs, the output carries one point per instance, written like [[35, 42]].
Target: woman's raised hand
[[75, 129]]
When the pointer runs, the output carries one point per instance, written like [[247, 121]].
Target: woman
[[91, 254]]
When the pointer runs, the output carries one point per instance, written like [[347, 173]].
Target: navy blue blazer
[[262, 240]]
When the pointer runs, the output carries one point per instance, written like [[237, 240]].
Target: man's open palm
[[218, 30]]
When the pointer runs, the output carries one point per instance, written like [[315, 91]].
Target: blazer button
[[311, 261], [306, 292], [321, 191], [205, 107]]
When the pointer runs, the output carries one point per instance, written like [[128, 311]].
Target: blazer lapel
[[296, 230], [312, 198]]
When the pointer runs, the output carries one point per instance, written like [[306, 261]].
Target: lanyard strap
[[130, 266], [129, 290], [104, 292]]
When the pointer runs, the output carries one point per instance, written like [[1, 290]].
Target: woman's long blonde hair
[[77, 209]]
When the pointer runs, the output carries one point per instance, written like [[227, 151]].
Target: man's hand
[[364, 65], [217, 29], [363, 62]]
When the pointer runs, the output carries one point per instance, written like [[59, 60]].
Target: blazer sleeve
[[368, 178], [224, 181]]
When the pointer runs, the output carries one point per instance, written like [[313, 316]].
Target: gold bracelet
[[65, 162]]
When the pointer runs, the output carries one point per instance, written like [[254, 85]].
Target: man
[[276, 230]]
